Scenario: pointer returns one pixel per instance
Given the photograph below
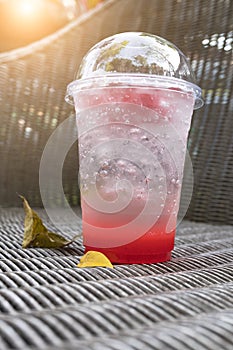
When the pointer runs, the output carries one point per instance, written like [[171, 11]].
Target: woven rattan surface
[[47, 302], [33, 81]]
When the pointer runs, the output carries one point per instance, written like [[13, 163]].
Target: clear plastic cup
[[134, 97]]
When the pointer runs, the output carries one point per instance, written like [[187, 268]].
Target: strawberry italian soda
[[134, 97]]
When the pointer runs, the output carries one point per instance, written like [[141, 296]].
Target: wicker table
[[46, 302]]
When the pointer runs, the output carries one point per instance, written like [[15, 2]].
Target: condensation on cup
[[134, 97]]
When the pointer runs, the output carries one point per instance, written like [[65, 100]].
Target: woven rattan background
[[33, 82]]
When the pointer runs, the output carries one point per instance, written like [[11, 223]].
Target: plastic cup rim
[[106, 80]]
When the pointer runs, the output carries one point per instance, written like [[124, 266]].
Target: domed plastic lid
[[137, 54]]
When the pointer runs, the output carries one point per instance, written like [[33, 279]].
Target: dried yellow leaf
[[36, 234], [93, 259]]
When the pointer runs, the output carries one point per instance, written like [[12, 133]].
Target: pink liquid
[[156, 242], [154, 246]]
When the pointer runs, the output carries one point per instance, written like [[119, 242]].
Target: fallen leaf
[[93, 259], [36, 234]]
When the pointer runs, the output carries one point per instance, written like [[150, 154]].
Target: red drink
[[134, 99], [142, 118], [154, 246]]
